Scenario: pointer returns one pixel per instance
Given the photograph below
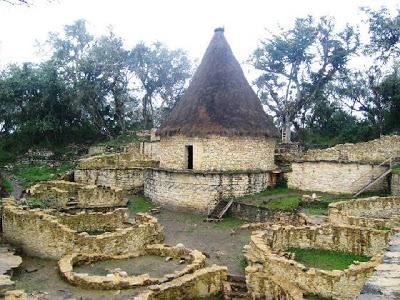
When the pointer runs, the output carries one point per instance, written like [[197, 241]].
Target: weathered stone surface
[[395, 184], [334, 176], [374, 151], [385, 281], [200, 191], [116, 281], [374, 212], [202, 283], [124, 170], [61, 192], [265, 261], [57, 234], [218, 153]]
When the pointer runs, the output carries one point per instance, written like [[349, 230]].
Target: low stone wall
[[195, 259], [127, 179], [374, 151], [374, 212], [202, 283], [334, 177], [151, 149], [395, 184], [60, 192], [254, 213], [265, 260], [384, 284], [123, 170], [41, 233], [200, 191]]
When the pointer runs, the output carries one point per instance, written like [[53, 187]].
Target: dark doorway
[[189, 157]]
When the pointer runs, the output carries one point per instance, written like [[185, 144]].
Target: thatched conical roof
[[219, 100]]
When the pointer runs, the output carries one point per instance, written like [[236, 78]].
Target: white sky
[[187, 24]]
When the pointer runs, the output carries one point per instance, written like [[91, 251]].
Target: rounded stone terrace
[[170, 263], [373, 212], [281, 252], [65, 195], [57, 233]]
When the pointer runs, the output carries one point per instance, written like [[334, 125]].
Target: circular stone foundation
[[373, 212], [267, 256], [121, 280]]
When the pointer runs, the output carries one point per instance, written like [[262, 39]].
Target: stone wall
[[375, 151], [334, 177], [265, 259], [384, 284], [116, 281], [123, 170], [374, 212], [218, 153], [395, 184], [128, 179], [202, 283], [60, 192], [40, 233], [151, 149], [254, 213], [200, 191]]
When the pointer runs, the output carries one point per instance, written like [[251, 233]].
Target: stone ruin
[[345, 168]]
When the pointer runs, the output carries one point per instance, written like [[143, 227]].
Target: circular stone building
[[218, 142]]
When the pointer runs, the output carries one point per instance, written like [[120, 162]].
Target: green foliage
[[119, 141], [290, 203], [228, 223], [139, 203], [326, 259], [33, 202], [243, 262], [31, 174], [396, 170], [7, 185]]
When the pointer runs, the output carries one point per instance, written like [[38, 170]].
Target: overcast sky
[[187, 24]]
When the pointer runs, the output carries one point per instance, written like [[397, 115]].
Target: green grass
[[31, 174], [290, 203], [139, 203], [229, 223], [119, 141], [6, 183], [326, 259], [33, 202], [242, 262], [396, 170]]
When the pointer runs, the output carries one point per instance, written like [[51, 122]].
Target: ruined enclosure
[[192, 259], [201, 191], [267, 260], [346, 168], [66, 194], [85, 231], [124, 170], [375, 212]]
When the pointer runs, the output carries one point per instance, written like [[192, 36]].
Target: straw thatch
[[219, 100]]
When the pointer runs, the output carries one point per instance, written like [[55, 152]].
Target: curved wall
[[218, 153]]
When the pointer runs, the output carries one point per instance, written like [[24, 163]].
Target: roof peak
[[219, 29]]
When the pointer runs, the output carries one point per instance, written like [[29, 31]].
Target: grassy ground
[[229, 223], [285, 199], [396, 170], [31, 174], [326, 259], [139, 203], [7, 185], [119, 141]]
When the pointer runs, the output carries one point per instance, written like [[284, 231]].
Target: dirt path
[[40, 278]]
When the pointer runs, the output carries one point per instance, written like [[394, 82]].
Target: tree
[[384, 33], [163, 75], [298, 64]]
